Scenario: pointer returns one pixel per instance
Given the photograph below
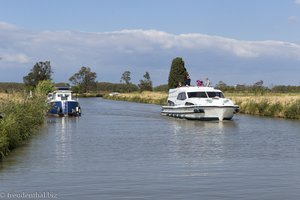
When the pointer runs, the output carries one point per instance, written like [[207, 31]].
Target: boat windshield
[[197, 95], [215, 94]]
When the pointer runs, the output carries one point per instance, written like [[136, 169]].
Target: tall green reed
[[21, 117]]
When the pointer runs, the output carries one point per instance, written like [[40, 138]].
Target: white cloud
[[297, 1], [245, 49], [142, 42], [6, 26], [139, 50], [17, 58]]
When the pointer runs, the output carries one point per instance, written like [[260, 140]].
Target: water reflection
[[64, 130], [201, 127], [199, 142], [142, 155]]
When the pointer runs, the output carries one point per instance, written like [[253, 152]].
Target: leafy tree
[[146, 83], [258, 88], [177, 73], [40, 71], [84, 80], [258, 83], [44, 87], [126, 77]]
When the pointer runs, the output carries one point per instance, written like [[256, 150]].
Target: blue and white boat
[[62, 103]]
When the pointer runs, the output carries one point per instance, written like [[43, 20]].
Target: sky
[[234, 41]]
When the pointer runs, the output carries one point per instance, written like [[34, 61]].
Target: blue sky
[[234, 41]]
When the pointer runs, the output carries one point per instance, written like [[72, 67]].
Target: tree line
[[84, 81], [257, 88]]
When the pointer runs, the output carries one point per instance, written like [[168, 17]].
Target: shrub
[[293, 110], [21, 118]]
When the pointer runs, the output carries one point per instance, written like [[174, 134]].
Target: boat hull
[[200, 112], [64, 108]]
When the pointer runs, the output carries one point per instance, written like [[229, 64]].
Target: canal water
[[123, 150]]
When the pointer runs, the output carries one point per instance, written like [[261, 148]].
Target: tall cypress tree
[[177, 73]]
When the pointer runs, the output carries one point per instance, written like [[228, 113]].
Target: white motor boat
[[200, 103]]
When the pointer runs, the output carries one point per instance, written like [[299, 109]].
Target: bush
[[21, 118], [293, 110], [44, 87]]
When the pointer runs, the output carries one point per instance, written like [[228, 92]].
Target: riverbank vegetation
[[10, 87], [20, 117], [140, 97], [269, 104], [22, 112]]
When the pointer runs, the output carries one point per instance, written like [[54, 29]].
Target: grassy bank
[[269, 104], [21, 116], [159, 98], [273, 105]]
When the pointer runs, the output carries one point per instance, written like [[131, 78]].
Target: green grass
[[292, 111], [21, 117]]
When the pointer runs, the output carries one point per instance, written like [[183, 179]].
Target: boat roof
[[194, 89], [62, 90]]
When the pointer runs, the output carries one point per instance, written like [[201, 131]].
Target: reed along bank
[[268, 104], [21, 116]]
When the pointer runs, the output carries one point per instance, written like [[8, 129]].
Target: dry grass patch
[[275, 105], [3, 96], [272, 98], [141, 97], [145, 95], [10, 97]]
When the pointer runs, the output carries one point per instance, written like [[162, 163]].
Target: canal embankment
[[159, 98], [268, 104], [271, 105], [21, 116]]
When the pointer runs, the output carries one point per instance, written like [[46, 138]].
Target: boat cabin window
[[197, 95], [50, 96], [181, 96], [215, 94], [64, 97], [171, 103]]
